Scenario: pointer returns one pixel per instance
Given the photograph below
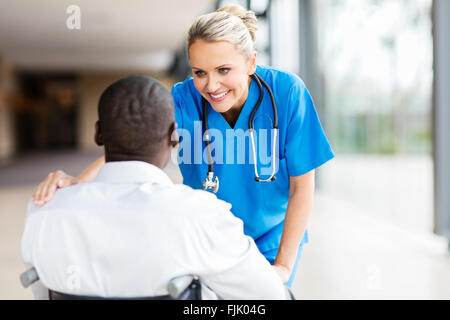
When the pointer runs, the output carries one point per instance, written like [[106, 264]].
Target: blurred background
[[379, 73]]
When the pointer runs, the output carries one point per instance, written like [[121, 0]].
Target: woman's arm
[[301, 194], [91, 172], [59, 179]]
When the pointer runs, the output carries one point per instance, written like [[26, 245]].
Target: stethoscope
[[211, 182]]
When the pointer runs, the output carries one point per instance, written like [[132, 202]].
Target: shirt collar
[[132, 172]]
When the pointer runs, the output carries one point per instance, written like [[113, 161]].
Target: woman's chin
[[219, 107]]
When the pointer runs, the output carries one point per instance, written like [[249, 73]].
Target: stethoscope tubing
[[210, 180], [260, 82]]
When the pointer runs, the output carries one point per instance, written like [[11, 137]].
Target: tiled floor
[[351, 255]]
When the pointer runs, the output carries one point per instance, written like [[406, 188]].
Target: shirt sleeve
[[306, 146], [234, 267]]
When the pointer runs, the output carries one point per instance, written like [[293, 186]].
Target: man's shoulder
[[60, 196], [168, 201], [200, 199], [74, 194], [73, 199]]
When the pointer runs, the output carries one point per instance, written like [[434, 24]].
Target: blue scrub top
[[301, 147]]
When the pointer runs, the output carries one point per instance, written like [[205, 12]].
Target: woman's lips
[[219, 97]]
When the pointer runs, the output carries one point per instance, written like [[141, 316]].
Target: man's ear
[[174, 138], [98, 134]]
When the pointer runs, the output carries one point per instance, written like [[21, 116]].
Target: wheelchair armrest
[[29, 277], [186, 287]]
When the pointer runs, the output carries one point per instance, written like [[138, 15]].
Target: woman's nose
[[212, 85]]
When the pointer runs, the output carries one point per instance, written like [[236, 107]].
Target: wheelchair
[[187, 287]]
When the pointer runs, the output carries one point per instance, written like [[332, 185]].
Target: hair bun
[[248, 17]]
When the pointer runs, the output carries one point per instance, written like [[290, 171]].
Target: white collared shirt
[[131, 230]]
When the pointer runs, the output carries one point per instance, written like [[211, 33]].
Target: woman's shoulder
[[183, 88], [280, 78], [185, 95], [288, 88]]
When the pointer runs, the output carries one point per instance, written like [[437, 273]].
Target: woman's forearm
[[297, 215], [91, 172]]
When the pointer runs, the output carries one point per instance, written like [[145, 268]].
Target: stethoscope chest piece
[[258, 179], [211, 183]]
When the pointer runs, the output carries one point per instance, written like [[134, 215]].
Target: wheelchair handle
[[29, 277]]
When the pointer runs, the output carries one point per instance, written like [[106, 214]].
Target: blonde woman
[[267, 174]]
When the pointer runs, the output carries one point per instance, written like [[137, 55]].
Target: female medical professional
[[262, 110]]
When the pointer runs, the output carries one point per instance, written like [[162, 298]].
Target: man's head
[[136, 121]]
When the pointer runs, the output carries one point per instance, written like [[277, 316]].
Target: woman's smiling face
[[221, 74]]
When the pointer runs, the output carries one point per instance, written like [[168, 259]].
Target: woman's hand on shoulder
[[47, 188]]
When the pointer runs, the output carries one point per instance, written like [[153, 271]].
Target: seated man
[[131, 230]]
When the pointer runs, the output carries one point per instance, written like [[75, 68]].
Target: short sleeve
[[233, 266], [178, 101], [306, 146]]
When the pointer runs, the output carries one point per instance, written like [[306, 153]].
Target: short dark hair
[[135, 114]]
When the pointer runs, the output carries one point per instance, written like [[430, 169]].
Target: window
[[375, 60]]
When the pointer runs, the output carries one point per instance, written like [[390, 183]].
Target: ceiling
[[113, 35]]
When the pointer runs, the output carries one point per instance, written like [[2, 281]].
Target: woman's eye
[[199, 73], [224, 70]]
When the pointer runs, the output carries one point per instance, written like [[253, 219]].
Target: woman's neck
[[232, 115]]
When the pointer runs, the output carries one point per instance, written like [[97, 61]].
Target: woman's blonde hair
[[230, 23]]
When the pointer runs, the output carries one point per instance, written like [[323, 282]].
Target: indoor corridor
[[351, 255]]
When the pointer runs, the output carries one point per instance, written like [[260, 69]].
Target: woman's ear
[[98, 134]]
